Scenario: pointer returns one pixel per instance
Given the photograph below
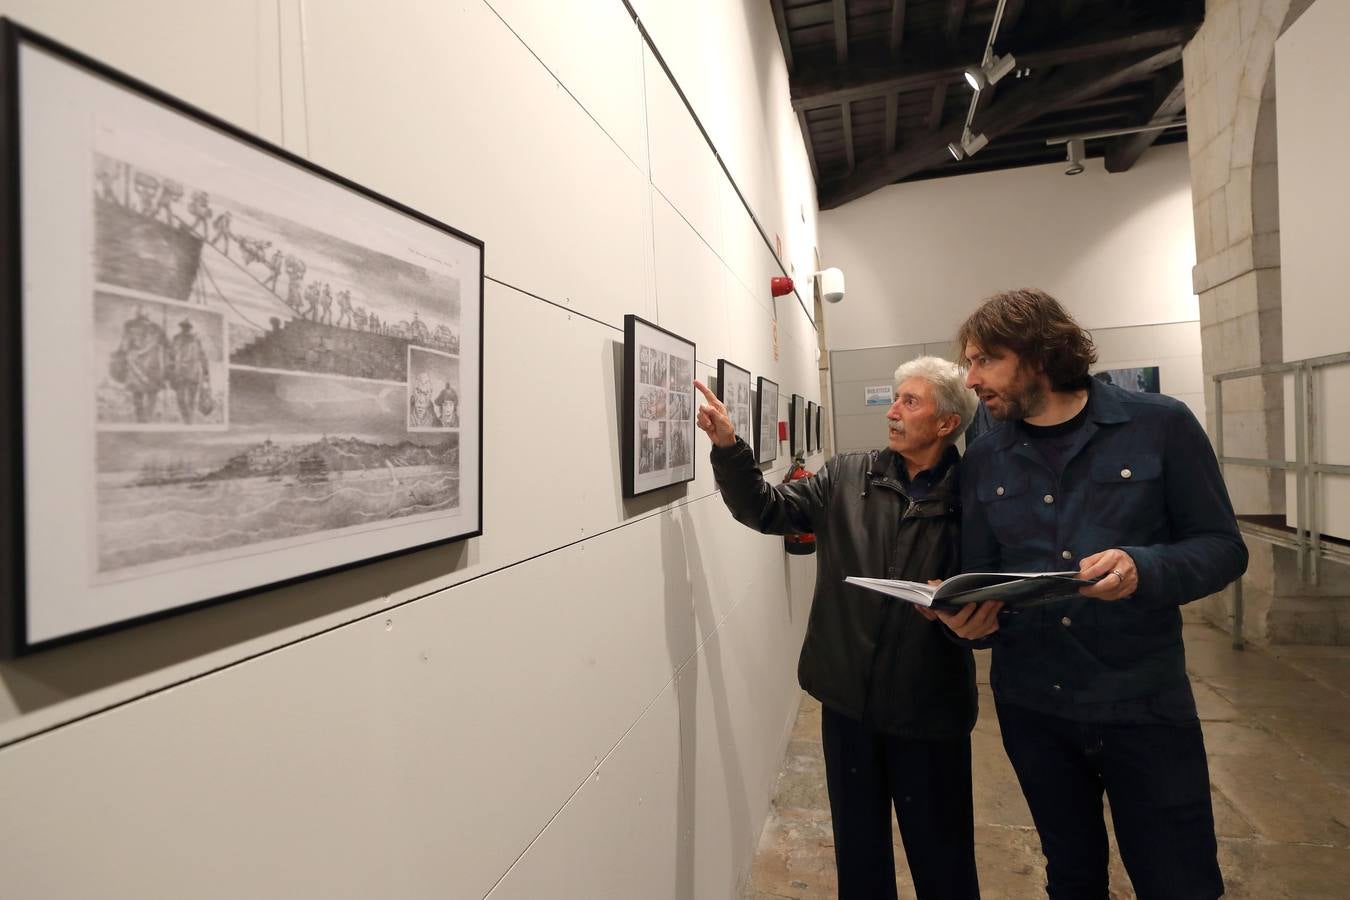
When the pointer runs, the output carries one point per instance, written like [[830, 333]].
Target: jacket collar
[[883, 468], [1104, 407]]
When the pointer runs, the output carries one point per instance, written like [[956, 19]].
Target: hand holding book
[[1017, 590]]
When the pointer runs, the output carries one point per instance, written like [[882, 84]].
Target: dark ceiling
[[879, 91]]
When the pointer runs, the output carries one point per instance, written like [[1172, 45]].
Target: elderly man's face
[[914, 421]]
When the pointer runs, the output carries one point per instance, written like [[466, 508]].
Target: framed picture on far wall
[[733, 389], [1143, 379], [796, 425], [820, 447], [659, 408], [812, 412], [766, 421], [229, 368]]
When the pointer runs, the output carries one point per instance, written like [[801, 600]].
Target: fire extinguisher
[[798, 544]]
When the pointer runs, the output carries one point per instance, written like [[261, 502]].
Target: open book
[[1019, 589]]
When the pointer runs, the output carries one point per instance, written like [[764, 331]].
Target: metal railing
[[1308, 470]]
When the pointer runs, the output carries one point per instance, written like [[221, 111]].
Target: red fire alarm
[[782, 431], [780, 285]]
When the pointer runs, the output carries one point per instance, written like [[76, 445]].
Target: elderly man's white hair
[[949, 388]]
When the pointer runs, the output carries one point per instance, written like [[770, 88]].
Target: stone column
[[1230, 109]]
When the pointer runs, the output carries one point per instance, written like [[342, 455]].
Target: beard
[[1023, 399]]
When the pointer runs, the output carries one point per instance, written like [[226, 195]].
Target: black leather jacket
[[866, 655]]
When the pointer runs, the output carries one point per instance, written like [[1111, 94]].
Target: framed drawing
[[733, 389], [796, 425], [1143, 379], [658, 414], [229, 368], [820, 448], [766, 421], [812, 412]]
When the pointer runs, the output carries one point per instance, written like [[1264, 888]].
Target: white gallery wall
[[592, 699], [1310, 99], [1115, 249]]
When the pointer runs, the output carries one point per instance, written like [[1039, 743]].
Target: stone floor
[[1277, 727]]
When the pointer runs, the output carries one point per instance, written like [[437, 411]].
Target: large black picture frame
[[796, 425], [187, 471], [766, 420], [812, 418], [659, 407]]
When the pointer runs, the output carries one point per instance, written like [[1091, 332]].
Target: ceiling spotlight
[[991, 71], [999, 66], [969, 145], [1075, 157]]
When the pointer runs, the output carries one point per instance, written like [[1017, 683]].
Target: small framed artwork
[[1142, 379], [658, 414], [796, 425], [766, 421], [230, 369], [819, 446], [812, 412], [733, 389]]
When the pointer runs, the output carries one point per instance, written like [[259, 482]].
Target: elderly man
[[1092, 693], [898, 696]]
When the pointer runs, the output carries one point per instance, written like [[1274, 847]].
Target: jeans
[[1157, 780], [928, 782]]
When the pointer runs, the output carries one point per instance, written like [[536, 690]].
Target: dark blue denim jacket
[[1141, 477]]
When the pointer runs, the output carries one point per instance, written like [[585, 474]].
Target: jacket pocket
[[1128, 492], [998, 493]]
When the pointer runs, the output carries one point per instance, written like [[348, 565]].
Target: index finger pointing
[[707, 394]]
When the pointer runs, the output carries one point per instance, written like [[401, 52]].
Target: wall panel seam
[[382, 611], [563, 85], [726, 172]]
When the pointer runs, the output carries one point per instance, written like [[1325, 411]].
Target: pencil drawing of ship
[[143, 253]]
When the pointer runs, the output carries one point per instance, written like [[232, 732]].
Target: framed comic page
[[820, 447], [733, 389], [658, 414], [229, 369], [796, 425], [812, 419], [766, 421]]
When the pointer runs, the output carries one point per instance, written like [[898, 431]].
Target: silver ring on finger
[[1116, 572]]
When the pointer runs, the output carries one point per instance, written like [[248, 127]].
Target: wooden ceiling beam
[[956, 17], [1068, 85], [1169, 102], [846, 112], [892, 102], [939, 103], [897, 26], [840, 32], [814, 90]]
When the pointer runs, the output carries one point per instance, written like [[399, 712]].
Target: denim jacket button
[[1049, 498], [1125, 473], [1066, 621], [999, 490], [1067, 554]]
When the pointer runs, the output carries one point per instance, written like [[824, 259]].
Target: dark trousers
[[929, 784], [1157, 779]]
